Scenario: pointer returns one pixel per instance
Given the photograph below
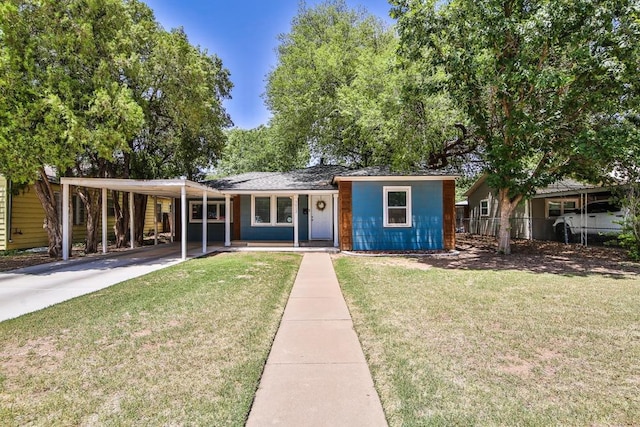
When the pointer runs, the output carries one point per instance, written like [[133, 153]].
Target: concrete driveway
[[34, 288]]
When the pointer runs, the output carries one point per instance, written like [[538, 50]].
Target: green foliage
[[339, 92], [542, 83], [629, 238], [181, 89], [257, 150], [97, 88], [61, 72]]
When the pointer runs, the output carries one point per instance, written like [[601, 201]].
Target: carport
[[181, 189]]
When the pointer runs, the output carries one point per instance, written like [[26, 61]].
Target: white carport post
[[132, 215], [205, 221], [173, 219], [296, 242], [183, 220], [155, 220], [65, 221], [227, 220], [104, 220], [335, 220]]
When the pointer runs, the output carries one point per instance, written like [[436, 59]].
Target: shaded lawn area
[[182, 346], [469, 347]]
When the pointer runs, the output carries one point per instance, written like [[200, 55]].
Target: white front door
[[321, 211]]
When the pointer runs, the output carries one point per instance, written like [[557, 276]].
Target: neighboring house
[[533, 218], [22, 217], [364, 210], [160, 218]]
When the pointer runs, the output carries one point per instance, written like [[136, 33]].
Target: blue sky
[[243, 33]]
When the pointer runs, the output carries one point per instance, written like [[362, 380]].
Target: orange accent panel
[[449, 213], [345, 190]]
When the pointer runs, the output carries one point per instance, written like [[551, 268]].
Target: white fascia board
[[167, 187], [277, 192], [396, 178]]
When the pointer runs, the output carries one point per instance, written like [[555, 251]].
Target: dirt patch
[[480, 253], [32, 357]]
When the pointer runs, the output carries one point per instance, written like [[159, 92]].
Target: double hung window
[[397, 206], [271, 211]]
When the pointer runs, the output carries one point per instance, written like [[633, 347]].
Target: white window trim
[[487, 208], [210, 203], [385, 207], [562, 201], [273, 211]]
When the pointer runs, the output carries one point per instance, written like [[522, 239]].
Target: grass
[[184, 345], [464, 347]]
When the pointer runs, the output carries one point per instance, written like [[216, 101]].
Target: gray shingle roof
[[312, 178], [564, 185], [320, 177]]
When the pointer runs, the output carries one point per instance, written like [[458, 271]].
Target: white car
[[599, 219]]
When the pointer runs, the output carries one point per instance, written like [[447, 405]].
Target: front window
[[397, 206], [285, 211], [215, 211], [271, 211], [262, 210]]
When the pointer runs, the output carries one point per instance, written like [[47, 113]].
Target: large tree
[[180, 88], [96, 88], [62, 95], [258, 149], [540, 82], [318, 61], [339, 92]]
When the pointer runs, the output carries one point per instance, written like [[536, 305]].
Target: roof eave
[[396, 178]]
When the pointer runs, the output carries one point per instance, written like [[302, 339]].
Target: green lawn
[[481, 347], [181, 346]]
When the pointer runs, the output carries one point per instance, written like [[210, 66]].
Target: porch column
[[296, 243], [335, 220], [205, 216], [132, 215], [227, 219], [183, 221], [65, 221], [155, 220], [104, 220], [173, 219]]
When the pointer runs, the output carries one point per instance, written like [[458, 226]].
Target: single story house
[[534, 217], [370, 209]]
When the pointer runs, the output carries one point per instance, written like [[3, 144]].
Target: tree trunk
[[507, 206], [91, 198], [52, 220], [121, 213], [140, 210]]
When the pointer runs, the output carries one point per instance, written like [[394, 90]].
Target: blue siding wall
[[369, 232], [247, 232], [215, 231]]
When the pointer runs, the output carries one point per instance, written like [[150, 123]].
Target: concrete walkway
[[34, 288], [316, 374]]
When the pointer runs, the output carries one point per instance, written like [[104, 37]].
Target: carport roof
[[153, 187]]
